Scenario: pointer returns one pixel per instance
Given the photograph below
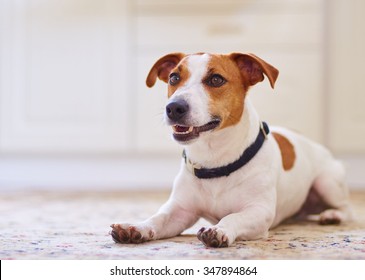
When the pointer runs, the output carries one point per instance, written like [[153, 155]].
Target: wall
[[75, 111]]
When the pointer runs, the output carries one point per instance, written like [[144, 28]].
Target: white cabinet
[[346, 73], [72, 75], [63, 76], [73, 72]]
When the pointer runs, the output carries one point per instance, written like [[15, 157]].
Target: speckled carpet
[[39, 225]]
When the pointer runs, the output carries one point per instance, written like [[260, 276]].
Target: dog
[[236, 172]]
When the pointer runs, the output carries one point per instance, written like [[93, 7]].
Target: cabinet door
[[63, 76], [346, 89]]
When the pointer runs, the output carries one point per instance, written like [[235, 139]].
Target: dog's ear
[[163, 67], [253, 68]]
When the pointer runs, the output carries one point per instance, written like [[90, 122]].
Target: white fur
[[193, 91], [253, 199]]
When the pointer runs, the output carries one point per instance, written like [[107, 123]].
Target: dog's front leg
[[250, 224], [169, 221]]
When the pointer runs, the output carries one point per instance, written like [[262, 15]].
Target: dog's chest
[[219, 198]]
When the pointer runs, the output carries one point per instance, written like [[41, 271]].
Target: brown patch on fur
[[240, 71], [162, 68], [287, 151], [184, 74], [253, 69], [227, 100]]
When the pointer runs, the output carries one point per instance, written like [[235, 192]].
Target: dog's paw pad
[[120, 234], [130, 234], [134, 235], [213, 237]]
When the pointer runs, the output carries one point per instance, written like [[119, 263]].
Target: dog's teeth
[[176, 130]]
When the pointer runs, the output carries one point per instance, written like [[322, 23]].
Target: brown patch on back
[[287, 151]]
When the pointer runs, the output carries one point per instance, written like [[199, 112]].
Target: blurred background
[[75, 113]]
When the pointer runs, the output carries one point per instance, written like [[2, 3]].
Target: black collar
[[248, 154]]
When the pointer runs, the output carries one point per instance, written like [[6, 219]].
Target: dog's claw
[[115, 236]]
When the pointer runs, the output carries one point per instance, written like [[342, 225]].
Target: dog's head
[[207, 91]]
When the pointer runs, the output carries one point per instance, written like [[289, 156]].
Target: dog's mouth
[[184, 133]]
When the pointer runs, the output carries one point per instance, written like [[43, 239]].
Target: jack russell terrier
[[236, 173]]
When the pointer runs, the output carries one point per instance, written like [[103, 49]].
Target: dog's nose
[[177, 109]]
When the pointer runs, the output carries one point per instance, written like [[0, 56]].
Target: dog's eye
[[215, 80], [174, 79]]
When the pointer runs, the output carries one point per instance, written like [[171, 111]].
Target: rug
[[75, 225]]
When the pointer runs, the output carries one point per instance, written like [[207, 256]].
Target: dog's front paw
[[213, 237], [126, 233]]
